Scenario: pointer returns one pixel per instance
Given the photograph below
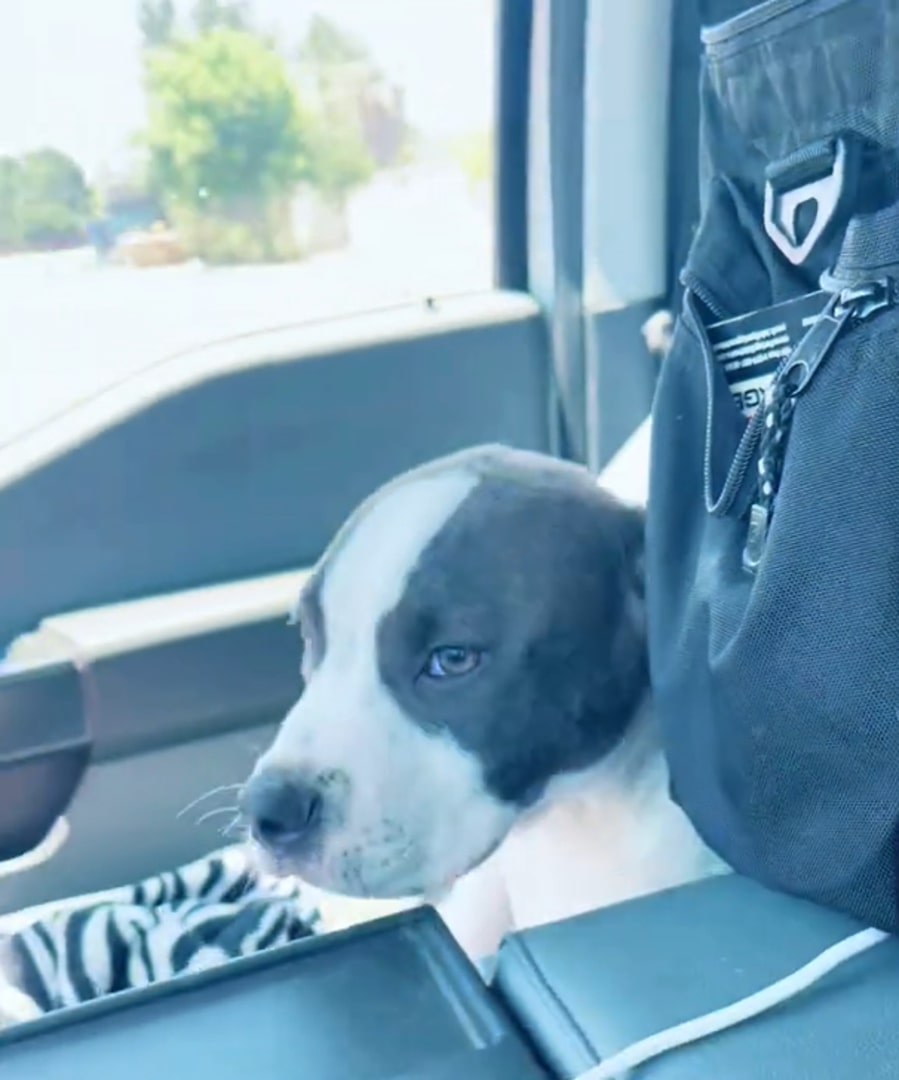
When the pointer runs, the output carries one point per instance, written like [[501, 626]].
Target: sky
[[70, 69]]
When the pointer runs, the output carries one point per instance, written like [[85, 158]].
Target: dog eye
[[451, 661]]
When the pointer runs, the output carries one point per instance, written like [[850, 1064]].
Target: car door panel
[[242, 459]]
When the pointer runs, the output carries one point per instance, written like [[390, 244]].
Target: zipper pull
[[854, 305], [802, 364], [793, 379]]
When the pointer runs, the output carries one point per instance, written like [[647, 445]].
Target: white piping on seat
[[618, 1066]]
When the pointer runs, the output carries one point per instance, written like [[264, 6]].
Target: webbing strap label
[[751, 347]]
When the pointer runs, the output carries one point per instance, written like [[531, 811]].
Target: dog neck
[[607, 834], [636, 766]]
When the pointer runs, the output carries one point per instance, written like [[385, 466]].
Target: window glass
[[179, 171]]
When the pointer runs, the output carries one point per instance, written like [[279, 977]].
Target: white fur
[[418, 815], [606, 835], [614, 836]]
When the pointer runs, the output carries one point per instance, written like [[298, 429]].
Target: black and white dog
[[476, 705]]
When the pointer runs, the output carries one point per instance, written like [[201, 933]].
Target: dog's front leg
[[477, 911]]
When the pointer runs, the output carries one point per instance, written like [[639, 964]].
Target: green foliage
[[44, 200], [326, 44], [340, 72], [50, 176], [221, 15], [223, 242], [474, 153], [10, 197], [225, 124], [49, 225], [339, 159], [231, 135], [157, 19]]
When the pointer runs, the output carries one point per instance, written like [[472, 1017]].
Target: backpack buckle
[[819, 174]]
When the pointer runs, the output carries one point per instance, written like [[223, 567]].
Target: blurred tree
[[221, 14], [225, 127], [228, 143], [326, 48], [474, 153], [51, 197], [157, 19], [50, 226], [51, 176], [10, 209], [339, 160], [362, 123]]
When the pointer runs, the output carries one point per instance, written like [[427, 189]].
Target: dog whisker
[[235, 823], [215, 812], [220, 790]]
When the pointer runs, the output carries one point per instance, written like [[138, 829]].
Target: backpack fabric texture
[[773, 520]]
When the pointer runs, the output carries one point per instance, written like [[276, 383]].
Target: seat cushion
[[588, 987]]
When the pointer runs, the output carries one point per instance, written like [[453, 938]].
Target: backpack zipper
[[771, 424]]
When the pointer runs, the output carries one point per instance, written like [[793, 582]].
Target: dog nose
[[282, 809]]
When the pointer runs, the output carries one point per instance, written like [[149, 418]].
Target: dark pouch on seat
[[773, 527]]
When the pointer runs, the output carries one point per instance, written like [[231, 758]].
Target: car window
[[179, 171]]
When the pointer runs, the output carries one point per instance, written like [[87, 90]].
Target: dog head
[[473, 633]]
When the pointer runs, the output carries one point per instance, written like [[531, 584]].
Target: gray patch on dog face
[[540, 569]]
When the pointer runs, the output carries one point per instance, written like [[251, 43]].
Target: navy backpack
[[773, 527]]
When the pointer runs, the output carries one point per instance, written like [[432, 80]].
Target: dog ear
[[608, 676]]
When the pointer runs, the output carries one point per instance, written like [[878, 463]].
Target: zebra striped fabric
[[186, 920]]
